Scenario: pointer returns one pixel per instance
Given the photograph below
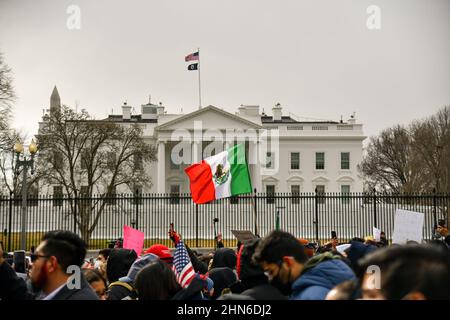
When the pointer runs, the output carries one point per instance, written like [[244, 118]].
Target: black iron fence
[[100, 219]]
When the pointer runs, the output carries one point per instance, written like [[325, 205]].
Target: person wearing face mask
[[286, 265]]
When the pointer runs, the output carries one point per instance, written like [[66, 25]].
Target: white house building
[[301, 156]]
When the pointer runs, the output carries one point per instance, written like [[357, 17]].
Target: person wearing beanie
[[162, 252]]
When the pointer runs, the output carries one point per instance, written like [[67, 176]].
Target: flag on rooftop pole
[[193, 66], [192, 56], [220, 176]]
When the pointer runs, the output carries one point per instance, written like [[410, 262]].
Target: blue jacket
[[315, 283]]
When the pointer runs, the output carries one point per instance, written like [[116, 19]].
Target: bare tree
[[10, 173], [390, 163], [86, 156], [431, 143], [7, 97]]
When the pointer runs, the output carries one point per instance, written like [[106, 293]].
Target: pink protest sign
[[133, 239]]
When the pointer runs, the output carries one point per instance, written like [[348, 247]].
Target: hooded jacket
[[117, 266], [319, 276], [224, 257]]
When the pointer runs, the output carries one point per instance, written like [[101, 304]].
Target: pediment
[[210, 118]]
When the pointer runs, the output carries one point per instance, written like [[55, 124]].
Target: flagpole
[[199, 85]]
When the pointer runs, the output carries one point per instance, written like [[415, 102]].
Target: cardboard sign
[[243, 236], [376, 234], [408, 226], [133, 239]]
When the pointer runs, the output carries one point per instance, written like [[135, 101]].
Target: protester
[[347, 290], [97, 282], [383, 240], [406, 272], [11, 286], [252, 280], [58, 251], [357, 251], [162, 252], [442, 232], [224, 257], [223, 278], [118, 265], [284, 260], [156, 281]]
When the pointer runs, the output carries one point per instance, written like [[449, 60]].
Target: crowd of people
[[279, 266]]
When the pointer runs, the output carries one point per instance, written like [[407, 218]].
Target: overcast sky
[[317, 58]]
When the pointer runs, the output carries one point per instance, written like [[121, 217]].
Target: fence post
[[75, 214], [255, 213], [196, 225], [136, 204], [316, 222], [434, 208], [10, 220], [375, 208]]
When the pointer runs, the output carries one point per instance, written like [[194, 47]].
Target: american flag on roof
[[192, 56], [184, 270]]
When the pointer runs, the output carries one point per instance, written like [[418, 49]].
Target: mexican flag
[[220, 176]]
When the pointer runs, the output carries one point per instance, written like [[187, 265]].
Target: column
[[195, 148], [161, 167]]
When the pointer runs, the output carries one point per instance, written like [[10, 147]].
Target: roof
[[134, 118], [206, 109], [287, 119]]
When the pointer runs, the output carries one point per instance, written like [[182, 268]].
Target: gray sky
[[317, 58]]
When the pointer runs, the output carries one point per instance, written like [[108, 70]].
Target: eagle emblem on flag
[[221, 175]]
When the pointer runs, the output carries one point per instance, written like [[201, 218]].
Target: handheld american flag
[[184, 270]]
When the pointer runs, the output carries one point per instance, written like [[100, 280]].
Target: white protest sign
[[408, 226], [376, 234]]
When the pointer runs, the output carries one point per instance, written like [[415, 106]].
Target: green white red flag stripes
[[223, 175]]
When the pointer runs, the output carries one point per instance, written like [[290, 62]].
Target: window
[[137, 158], [84, 159], [295, 190], [270, 191], [57, 196], [84, 191], [173, 165], [345, 160], [111, 161], [320, 160], [320, 189], [345, 190], [295, 160], [57, 161], [174, 194], [270, 160], [111, 196]]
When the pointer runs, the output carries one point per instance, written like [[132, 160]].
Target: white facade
[[201, 127], [305, 138]]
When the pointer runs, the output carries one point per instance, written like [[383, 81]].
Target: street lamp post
[[25, 163]]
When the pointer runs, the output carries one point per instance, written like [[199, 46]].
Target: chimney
[[249, 110], [276, 110], [160, 109], [126, 112], [352, 119]]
